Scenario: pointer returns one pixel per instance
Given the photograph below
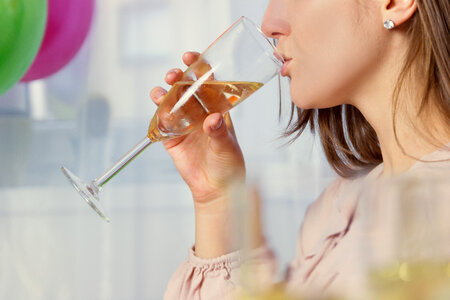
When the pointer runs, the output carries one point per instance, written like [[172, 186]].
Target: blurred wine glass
[[409, 245]]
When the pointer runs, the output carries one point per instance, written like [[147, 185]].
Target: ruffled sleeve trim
[[231, 260]]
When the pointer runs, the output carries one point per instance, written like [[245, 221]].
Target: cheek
[[331, 54]]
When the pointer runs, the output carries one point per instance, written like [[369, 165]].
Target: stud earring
[[389, 24]]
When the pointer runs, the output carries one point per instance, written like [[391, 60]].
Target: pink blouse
[[332, 244]]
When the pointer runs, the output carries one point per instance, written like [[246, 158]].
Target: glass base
[[88, 192]]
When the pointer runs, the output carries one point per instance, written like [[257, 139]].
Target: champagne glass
[[232, 68], [410, 249]]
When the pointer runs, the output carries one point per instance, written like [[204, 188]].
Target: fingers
[[157, 94], [176, 74], [173, 76], [213, 123], [199, 68], [190, 57], [216, 128]]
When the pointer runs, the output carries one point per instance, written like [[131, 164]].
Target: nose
[[275, 22]]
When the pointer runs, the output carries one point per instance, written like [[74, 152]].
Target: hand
[[207, 159]]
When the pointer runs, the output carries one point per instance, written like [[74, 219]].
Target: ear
[[399, 11]]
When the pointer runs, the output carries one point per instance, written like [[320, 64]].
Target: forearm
[[213, 234], [218, 232]]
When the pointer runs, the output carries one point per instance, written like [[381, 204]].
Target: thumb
[[220, 138]]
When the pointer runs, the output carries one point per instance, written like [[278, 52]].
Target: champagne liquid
[[186, 105], [410, 281]]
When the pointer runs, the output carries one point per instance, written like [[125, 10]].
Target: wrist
[[218, 196], [212, 205]]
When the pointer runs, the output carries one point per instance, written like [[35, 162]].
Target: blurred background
[[86, 116]]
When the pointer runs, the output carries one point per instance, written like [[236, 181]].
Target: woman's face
[[333, 47]]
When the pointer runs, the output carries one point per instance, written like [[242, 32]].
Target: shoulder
[[322, 208], [433, 170], [435, 164], [338, 196], [330, 214]]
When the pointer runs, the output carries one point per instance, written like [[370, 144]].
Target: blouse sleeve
[[217, 278]]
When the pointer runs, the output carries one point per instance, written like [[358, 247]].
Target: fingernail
[[158, 94], [173, 71], [218, 124]]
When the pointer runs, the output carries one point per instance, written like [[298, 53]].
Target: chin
[[300, 98], [312, 101], [304, 105], [304, 101]]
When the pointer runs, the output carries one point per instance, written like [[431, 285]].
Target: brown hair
[[349, 141]]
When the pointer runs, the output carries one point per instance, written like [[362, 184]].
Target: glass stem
[[98, 182]]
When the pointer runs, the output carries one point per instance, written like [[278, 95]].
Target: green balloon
[[22, 25]]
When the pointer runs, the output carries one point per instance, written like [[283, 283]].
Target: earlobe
[[398, 11]]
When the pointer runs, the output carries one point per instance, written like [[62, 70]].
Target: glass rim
[[276, 56]]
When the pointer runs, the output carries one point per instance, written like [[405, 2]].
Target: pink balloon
[[68, 24]]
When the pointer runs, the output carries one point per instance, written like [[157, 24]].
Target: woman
[[372, 77]]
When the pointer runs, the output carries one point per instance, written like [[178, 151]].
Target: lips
[[286, 60], [284, 71]]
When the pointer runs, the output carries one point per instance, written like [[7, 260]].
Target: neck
[[406, 140], [410, 137]]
